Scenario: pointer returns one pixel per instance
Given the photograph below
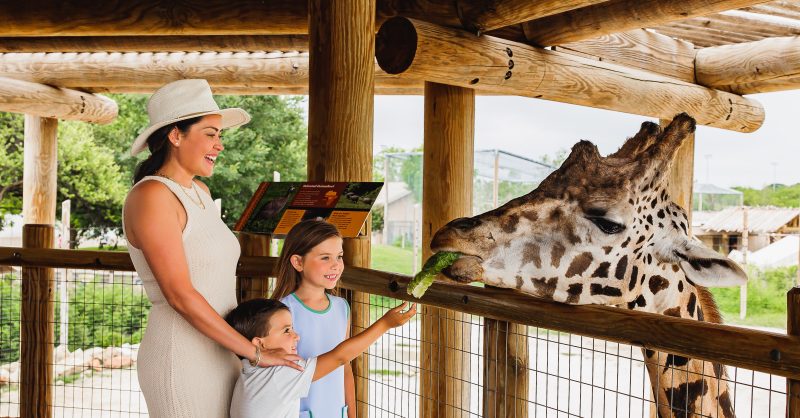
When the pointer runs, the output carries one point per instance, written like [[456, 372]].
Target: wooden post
[[38, 284], [340, 120], [448, 159], [505, 369], [250, 287], [793, 328]]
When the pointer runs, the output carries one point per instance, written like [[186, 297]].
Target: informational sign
[[278, 206]]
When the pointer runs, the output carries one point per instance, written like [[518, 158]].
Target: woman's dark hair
[[251, 318], [158, 144], [301, 239]]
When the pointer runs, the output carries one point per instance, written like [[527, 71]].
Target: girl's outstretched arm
[[352, 347], [350, 390]]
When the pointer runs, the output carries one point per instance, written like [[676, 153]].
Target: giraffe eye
[[605, 225]]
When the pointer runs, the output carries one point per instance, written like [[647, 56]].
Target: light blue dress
[[320, 332]]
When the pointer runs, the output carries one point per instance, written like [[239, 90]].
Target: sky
[[534, 127]]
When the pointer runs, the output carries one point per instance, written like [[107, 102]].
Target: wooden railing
[[769, 352]]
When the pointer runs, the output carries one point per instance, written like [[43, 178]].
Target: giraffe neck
[[685, 387]]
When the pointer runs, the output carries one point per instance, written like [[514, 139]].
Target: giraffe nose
[[464, 223]]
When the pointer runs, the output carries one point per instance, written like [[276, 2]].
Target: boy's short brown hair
[[251, 317]]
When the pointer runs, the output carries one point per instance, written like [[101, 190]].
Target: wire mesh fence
[[499, 369]]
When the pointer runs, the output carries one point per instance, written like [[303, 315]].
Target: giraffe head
[[599, 230]]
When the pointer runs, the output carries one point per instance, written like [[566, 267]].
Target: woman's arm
[[154, 223]]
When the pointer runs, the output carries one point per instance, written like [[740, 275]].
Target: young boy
[[275, 392]]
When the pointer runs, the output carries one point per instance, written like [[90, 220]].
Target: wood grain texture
[[36, 329], [415, 50], [250, 287], [620, 16], [730, 345], [40, 168], [642, 49], [448, 151], [340, 123], [244, 72], [793, 329], [40, 100], [505, 369], [681, 175], [486, 15], [152, 17], [733, 67], [164, 43]]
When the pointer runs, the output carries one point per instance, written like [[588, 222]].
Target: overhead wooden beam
[[772, 64], [414, 89], [705, 37], [52, 102], [642, 49], [425, 51], [746, 23], [485, 15], [144, 18], [786, 9], [265, 73], [231, 43], [620, 16]]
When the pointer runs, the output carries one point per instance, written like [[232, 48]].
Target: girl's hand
[[279, 357], [396, 317]]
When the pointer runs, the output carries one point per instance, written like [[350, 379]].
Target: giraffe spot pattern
[[640, 301], [680, 286], [676, 312], [634, 273], [579, 264], [556, 253], [692, 303], [598, 289], [725, 405], [509, 223], [602, 270], [674, 360], [520, 282], [622, 266], [545, 287], [607, 250], [682, 399], [625, 243], [531, 254], [574, 291], [657, 284]]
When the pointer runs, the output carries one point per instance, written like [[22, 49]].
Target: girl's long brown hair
[[300, 240]]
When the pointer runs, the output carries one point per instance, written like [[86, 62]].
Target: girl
[[309, 270]]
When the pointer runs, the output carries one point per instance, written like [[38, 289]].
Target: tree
[[87, 174]]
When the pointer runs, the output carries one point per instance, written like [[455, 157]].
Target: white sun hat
[[184, 99]]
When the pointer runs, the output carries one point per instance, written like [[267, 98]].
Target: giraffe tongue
[[465, 270]]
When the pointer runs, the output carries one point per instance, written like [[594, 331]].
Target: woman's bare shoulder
[[149, 195]]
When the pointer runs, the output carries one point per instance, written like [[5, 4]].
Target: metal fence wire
[[555, 375]]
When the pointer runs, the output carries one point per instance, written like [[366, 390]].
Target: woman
[[186, 258]]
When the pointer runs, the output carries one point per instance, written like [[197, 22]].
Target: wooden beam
[[153, 17], [230, 43], [788, 9], [742, 67], [704, 37], [448, 154], [749, 24], [36, 316], [620, 16], [340, 123], [486, 15], [52, 102], [262, 72], [642, 49], [415, 49], [414, 89]]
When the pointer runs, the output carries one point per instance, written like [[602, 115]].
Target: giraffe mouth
[[466, 269]]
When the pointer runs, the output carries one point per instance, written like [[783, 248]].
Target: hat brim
[[231, 118]]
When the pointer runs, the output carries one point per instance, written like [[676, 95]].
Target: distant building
[[722, 230], [399, 218]]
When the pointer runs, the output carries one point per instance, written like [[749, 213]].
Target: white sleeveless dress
[[183, 373]]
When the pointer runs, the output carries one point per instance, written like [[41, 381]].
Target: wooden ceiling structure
[[261, 47], [654, 58]]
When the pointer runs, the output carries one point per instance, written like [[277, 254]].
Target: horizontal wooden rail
[[763, 351]]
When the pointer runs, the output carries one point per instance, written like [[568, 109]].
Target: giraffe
[[603, 230]]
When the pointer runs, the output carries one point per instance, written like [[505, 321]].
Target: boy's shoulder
[[276, 389]]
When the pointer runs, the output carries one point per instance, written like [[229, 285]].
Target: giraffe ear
[[708, 268]]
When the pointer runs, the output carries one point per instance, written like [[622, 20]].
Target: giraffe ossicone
[[603, 230]]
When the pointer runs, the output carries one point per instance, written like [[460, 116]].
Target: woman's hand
[[279, 357], [396, 317]]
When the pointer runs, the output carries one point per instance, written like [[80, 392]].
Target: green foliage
[[779, 195], [11, 156], [766, 297], [9, 318], [103, 315], [407, 169], [377, 218]]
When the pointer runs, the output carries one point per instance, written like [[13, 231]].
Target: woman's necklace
[[198, 202]]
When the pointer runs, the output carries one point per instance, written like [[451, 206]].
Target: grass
[[386, 372], [766, 298], [393, 259]]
